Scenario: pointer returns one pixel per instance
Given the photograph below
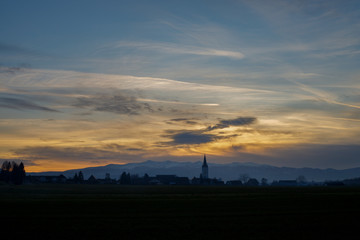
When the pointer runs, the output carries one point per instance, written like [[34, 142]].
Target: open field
[[175, 212]]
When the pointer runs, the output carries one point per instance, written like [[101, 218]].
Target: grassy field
[[175, 212]]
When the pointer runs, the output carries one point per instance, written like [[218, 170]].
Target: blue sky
[[85, 83]]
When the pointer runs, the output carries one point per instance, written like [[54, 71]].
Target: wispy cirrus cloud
[[323, 96], [121, 94], [70, 155], [178, 49], [330, 24], [56, 80]]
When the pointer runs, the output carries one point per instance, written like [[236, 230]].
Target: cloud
[[15, 103], [240, 121], [20, 51], [70, 154], [178, 49], [13, 70], [119, 104], [71, 80], [201, 136], [299, 75], [188, 121], [322, 95], [318, 155], [18, 161], [134, 149], [192, 137], [9, 48]]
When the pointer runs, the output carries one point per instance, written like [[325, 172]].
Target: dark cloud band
[[240, 121], [15, 103], [119, 104]]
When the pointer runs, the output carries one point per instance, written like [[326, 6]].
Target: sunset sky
[[89, 83]]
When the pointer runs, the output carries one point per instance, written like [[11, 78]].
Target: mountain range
[[230, 171]]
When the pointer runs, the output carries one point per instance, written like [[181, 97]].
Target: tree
[[4, 166], [123, 178], [5, 172], [15, 174], [12, 172], [22, 170], [81, 177], [146, 178], [244, 177], [301, 179], [76, 178], [264, 182], [252, 182]]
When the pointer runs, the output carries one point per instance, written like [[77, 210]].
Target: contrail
[[322, 96]]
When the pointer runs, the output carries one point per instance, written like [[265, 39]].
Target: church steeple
[[204, 162], [205, 169]]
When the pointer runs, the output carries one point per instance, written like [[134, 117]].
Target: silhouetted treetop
[[12, 172]]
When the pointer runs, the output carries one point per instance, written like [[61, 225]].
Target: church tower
[[205, 169]]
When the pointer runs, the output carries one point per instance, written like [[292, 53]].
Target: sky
[[89, 83]]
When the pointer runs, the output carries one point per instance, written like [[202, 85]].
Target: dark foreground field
[[165, 212]]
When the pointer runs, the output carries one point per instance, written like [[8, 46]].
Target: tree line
[[11, 172], [125, 178]]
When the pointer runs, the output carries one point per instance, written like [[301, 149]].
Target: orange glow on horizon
[[57, 166]]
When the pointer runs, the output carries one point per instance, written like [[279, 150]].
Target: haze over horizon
[[90, 83]]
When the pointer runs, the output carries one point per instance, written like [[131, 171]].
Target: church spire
[[204, 162], [205, 169]]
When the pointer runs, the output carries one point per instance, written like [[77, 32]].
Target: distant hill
[[229, 171]]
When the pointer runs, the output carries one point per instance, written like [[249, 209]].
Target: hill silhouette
[[226, 172]]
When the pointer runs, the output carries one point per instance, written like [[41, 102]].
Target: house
[[171, 180], [46, 179], [352, 182], [252, 182], [92, 180], [286, 183], [234, 183], [334, 184]]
